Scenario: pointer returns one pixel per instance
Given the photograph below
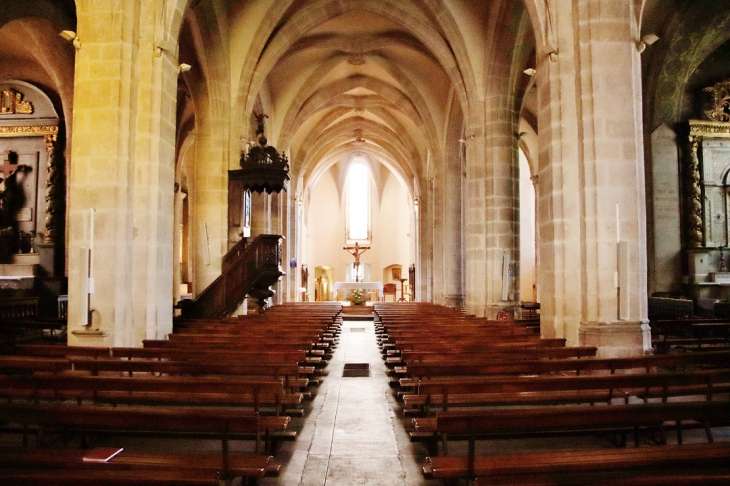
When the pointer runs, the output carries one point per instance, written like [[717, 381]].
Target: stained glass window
[[358, 201]]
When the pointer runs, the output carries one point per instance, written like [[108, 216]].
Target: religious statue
[[356, 251], [261, 120], [10, 196]]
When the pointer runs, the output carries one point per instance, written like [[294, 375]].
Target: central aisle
[[351, 435]]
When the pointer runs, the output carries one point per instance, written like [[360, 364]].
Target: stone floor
[[352, 435]]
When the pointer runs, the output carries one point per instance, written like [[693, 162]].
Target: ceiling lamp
[[262, 167]]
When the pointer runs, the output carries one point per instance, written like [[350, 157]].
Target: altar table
[[368, 286]]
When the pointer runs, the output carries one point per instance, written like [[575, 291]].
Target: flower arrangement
[[358, 297]]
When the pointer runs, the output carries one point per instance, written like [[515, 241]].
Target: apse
[[358, 201]]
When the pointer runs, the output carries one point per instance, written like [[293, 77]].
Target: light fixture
[[647, 40], [530, 71], [183, 68], [71, 36]]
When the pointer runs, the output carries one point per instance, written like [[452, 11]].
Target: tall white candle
[[91, 241], [91, 228], [618, 225]]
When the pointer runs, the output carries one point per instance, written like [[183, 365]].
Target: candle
[[91, 228], [618, 225]]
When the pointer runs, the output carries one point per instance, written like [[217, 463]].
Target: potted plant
[[358, 297]]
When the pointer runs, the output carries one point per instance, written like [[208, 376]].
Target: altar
[[367, 286]]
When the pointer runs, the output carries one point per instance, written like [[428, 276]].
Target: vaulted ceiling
[[380, 78]]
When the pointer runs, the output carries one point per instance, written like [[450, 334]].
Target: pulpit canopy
[[262, 167]]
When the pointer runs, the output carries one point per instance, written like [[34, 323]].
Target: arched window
[[358, 202]]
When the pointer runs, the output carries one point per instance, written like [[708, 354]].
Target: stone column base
[[454, 300], [617, 338]]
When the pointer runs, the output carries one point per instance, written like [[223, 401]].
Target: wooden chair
[[390, 289]]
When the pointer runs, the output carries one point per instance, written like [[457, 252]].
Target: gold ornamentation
[[12, 103], [54, 190], [719, 109], [715, 129], [28, 130], [693, 199]]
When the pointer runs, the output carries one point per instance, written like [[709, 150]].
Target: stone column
[[453, 261], [424, 264], [475, 242], [590, 168], [439, 238], [123, 169]]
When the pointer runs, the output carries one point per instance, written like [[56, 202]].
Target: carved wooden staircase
[[248, 269]]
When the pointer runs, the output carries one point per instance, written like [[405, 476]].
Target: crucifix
[[356, 251]]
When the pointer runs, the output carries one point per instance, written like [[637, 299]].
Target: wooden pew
[[95, 477], [178, 354], [558, 421], [690, 334], [241, 391], [719, 359], [224, 424], [175, 467], [505, 352], [543, 390], [230, 346], [689, 464]]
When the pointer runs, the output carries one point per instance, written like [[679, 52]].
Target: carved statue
[[261, 119], [11, 196], [719, 104], [356, 251]]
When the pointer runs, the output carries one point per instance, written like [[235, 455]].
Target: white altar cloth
[[359, 285]]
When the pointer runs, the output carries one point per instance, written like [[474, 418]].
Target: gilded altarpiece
[[706, 201], [33, 185]]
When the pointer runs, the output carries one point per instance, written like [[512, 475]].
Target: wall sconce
[[71, 36], [183, 68], [645, 41]]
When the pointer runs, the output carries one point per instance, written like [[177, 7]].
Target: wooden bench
[[175, 467], [242, 391], [518, 353], [592, 466], [223, 424], [718, 359], [178, 354], [543, 390], [96, 477], [234, 346], [562, 421], [689, 333]]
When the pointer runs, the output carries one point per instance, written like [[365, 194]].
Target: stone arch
[[64, 16], [332, 95], [539, 15], [254, 73], [405, 146], [687, 48]]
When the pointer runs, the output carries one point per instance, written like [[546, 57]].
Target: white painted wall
[[528, 277], [325, 228]]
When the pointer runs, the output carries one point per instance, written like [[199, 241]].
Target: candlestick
[[91, 228]]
